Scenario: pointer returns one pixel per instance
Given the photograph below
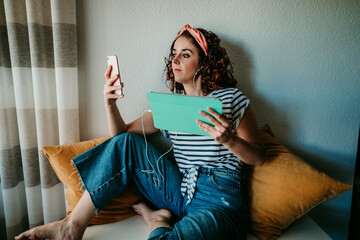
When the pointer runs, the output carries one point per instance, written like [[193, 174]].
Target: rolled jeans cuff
[[159, 232]]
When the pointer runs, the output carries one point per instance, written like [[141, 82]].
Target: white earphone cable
[[156, 178], [194, 79]]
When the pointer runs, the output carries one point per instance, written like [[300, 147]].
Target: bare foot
[[153, 218], [63, 229]]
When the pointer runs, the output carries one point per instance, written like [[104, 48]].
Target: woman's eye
[[186, 55]]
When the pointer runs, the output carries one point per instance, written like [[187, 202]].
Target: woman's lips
[[177, 70]]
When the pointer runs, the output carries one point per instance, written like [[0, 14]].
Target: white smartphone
[[113, 61]]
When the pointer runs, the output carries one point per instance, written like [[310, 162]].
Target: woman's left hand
[[221, 132]]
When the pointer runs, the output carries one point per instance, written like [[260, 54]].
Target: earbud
[[195, 76]]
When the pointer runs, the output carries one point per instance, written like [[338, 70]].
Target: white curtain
[[38, 106]]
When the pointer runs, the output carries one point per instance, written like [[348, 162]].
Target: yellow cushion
[[284, 189], [60, 158]]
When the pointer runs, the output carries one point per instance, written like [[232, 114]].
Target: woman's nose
[[176, 59]]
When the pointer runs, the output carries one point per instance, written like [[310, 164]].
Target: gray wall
[[298, 61]]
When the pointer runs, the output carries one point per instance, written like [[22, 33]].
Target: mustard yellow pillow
[[60, 158], [284, 189]]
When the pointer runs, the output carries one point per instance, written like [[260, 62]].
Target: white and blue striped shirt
[[194, 151]]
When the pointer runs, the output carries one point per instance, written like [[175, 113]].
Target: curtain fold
[[38, 106]]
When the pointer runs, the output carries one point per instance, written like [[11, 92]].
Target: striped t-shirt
[[194, 151]]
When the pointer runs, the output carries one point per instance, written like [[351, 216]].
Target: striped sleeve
[[239, 104]]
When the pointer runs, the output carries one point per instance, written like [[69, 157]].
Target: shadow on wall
[[243, 70], [276, 118], [280, 122], [319, 158]]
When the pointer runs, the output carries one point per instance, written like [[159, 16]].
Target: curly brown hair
[[216, 69]]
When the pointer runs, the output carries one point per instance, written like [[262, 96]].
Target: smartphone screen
[[113, 61]]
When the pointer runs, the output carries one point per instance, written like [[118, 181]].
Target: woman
[[205, 190]]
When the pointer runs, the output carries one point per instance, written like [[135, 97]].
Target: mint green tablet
[[175, 112]]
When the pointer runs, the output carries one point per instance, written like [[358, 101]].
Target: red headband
[[199, 37]]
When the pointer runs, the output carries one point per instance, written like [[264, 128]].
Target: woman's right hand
[[110, 96]]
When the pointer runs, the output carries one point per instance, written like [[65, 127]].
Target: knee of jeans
[[125, 136]]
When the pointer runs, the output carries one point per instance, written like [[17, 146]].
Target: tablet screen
[[175, 112]]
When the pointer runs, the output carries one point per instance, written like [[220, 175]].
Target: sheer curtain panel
[[38, 106]]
